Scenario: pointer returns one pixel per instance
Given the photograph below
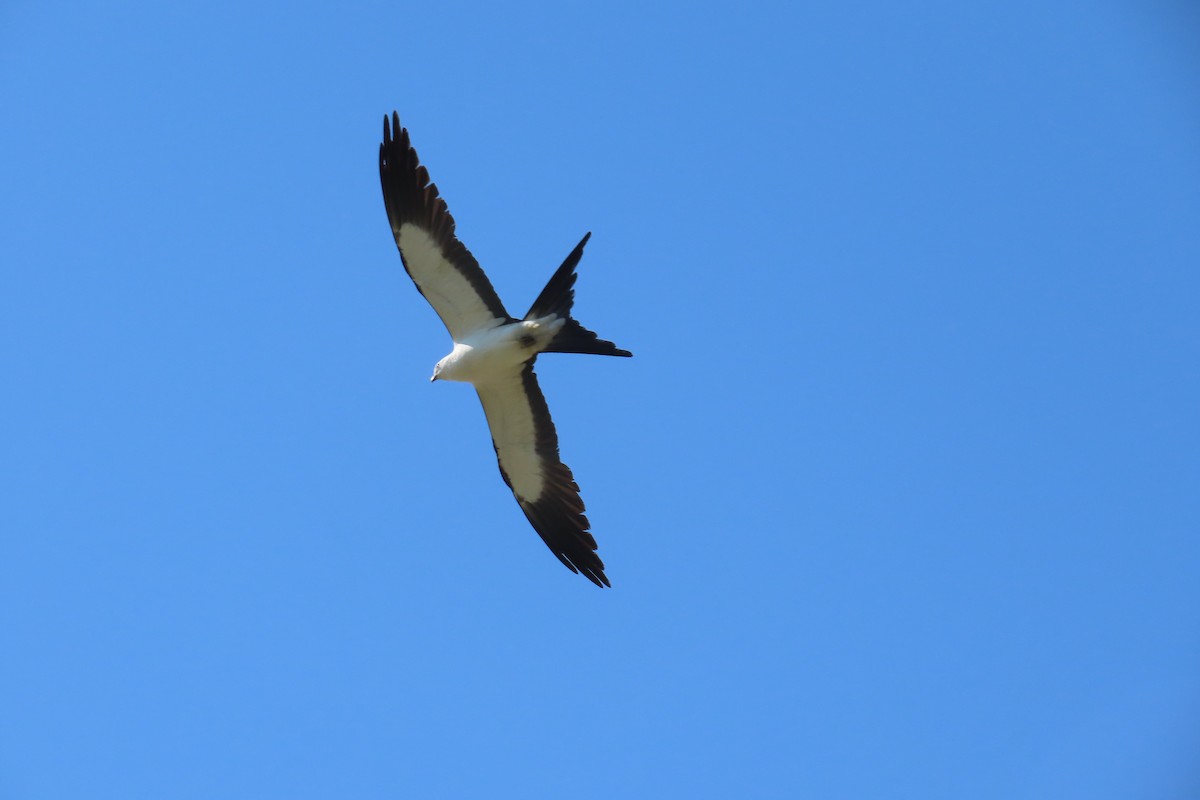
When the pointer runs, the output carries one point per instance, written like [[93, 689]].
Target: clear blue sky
[[900, 495]]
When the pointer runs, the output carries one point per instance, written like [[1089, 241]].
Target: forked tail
[[557, 298]]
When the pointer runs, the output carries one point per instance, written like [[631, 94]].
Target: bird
[[495, 352]]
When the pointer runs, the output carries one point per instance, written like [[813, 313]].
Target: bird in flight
[[494, 351]]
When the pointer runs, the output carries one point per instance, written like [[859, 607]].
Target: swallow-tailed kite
[[494, 351]]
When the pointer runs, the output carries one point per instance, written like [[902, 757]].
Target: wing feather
[[527, 449], [443, 269]]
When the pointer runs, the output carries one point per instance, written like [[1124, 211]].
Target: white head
[[437, 370]]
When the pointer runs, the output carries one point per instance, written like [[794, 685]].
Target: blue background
[[899, 495]]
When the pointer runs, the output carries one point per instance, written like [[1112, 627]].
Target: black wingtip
[[387, 128], [392, 131], [594, 574], [559, 519]]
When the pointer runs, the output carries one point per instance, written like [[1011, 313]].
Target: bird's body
[[495, 352], [488, 354]]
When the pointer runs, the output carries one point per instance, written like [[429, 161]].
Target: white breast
[[499, 351]]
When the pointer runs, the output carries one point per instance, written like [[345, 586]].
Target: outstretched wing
[[527, 449], [445, 272]]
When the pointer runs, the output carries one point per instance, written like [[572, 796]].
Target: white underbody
[[498, 352]]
